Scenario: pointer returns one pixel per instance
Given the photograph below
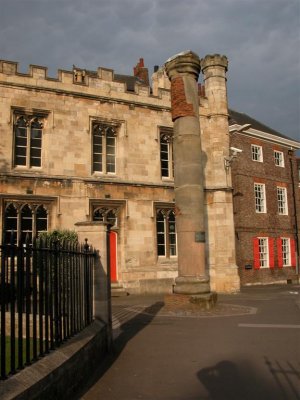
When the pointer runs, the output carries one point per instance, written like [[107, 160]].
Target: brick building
[[266, 201], [93, 147]]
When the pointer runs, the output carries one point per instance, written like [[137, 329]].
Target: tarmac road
[[248, 348]]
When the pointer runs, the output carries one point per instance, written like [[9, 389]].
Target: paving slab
[[248, 347]]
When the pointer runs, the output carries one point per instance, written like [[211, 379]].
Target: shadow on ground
[[126, 332], [230, 381]]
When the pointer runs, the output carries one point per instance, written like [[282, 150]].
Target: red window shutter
[[256, 253], [279, 253], [293, 253], [271, 252]]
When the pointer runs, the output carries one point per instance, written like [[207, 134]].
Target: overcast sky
[[261, 39]]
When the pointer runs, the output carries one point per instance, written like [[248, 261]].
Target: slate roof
[[130, 81], [236, 117]]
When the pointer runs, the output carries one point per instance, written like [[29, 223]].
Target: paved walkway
[[248, 347]]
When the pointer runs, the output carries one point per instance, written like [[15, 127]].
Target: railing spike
[[55, 289]]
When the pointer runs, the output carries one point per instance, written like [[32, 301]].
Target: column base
[[190, 303], [191, 285]]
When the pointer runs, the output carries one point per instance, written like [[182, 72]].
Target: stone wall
[[65, 180]]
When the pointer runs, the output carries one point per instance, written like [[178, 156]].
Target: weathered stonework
[[66, 184], [219, 214], [183, 71]]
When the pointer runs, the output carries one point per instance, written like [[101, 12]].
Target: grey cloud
[[260, 38]]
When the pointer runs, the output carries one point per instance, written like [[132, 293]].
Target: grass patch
[[8, 353]]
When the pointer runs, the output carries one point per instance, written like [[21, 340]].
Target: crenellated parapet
[[215, 60], [102, 82]]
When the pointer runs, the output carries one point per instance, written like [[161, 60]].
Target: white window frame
[[286, 252], [279, 158], [257, 153], [263, 248], [282, 205], [260, 198]]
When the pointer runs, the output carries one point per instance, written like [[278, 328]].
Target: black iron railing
[[46, 296]]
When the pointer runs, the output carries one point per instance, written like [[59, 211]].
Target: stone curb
[[61, 373], [221, 310]]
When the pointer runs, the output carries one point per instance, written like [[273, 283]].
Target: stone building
[[93, 147]]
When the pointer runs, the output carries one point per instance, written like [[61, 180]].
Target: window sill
[[104, 175], [166, 260], [27, 169]]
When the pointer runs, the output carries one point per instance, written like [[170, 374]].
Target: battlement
[[214, 60], [103, 81]]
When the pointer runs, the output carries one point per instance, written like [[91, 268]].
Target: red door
[[113, 256]]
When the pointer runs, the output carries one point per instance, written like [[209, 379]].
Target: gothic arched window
[[24, 220], [166, 153], [104, 147], [10, 222], [166, 233], [27, 141], [107, 215]]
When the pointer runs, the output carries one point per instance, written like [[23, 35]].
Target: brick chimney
[[141, 72], [201, 90]]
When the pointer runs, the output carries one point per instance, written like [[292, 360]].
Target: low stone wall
[[60, 374]]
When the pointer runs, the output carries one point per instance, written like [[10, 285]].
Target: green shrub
[[61, 235]]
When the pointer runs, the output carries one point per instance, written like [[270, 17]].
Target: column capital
[[185, 63], [215, 60]]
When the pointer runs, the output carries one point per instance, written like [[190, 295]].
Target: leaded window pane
[[172, 234], [41, 220], [166, 156], [10, 223], [104, 148], [26, 223], [166, 233], [20, 160], [20, 145], [24, 220], [28, 142], [160, 230]]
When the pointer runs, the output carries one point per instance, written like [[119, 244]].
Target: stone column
[[183, 71], [219, 203]]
